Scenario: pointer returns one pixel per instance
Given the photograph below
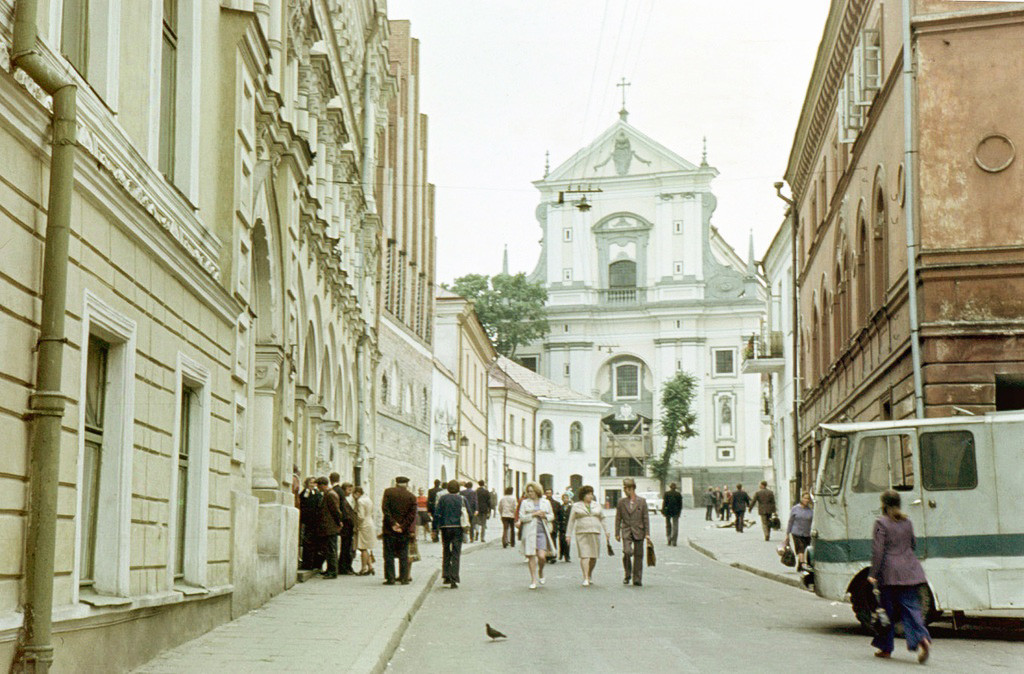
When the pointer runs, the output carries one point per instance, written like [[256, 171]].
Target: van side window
[[947, 460], [883, 462], [835, 463]]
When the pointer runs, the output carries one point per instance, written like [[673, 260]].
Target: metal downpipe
[[910, 196], [46, 404]]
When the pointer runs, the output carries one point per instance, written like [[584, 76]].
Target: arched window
[[815, 344], [880, 254], [576, 437], [837, 312], [546, 431], [547, 481], [384, 385], [622, 274], [826, 340], [863, 286]]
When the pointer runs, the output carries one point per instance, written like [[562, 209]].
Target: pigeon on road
[[493, 633]]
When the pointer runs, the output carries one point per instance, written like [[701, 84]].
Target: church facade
[[641, 286]]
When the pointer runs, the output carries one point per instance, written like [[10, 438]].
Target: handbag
[[879, 618], [788, 557], [611, 553], [464, 517], [414, 551], [776, 523], [651, 558]]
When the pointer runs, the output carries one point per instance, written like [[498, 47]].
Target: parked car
[[653, 500]]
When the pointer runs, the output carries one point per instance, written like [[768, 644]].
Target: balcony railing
[[623, 296], [763, 353]]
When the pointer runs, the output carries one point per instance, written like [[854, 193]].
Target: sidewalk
[[747, 551], [351, 623]]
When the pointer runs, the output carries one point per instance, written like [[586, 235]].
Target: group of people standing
[[335, 515]]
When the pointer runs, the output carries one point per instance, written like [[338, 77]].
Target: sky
[[504, 81]]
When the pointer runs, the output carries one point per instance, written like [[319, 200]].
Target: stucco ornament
[[994, 153], [622, 155]]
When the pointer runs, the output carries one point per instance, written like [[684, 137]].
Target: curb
[[395, 639], [778, 578]]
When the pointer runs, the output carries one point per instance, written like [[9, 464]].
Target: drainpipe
[[46, 404], [910, 204]]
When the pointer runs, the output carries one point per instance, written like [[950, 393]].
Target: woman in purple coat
[[897, 574]]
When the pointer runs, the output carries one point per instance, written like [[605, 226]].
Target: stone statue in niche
[[622, 155], [725, 418]]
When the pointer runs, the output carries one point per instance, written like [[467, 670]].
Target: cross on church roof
[[623, 113]]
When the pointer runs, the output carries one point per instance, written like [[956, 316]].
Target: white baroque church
[[640, 286]]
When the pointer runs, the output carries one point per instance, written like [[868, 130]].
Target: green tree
[[678, 421], [510, 308]]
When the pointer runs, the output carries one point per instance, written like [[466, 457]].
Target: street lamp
[[451, 438]]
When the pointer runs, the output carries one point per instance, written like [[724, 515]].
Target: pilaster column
[[266, 383]]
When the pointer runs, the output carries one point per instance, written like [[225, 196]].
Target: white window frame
[[716, 407], [190, 372], [113, 519], [104, 57], [677, 268], [714, 362], [615, 380]]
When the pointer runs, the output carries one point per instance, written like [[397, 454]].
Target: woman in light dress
[[365, 535], [535, 519], [586, 523]]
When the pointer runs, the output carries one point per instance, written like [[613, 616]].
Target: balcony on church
[[623, 296], [764, 354]]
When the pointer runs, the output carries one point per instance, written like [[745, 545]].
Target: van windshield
[[835, 464]]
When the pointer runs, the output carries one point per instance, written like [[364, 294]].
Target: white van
[[960, 479]]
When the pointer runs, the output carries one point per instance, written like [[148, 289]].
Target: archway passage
[[547, 481]]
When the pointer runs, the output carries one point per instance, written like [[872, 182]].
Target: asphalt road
[[691, 614]]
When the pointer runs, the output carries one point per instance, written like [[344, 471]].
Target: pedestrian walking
[[365, 534], [586, 524], [469, 494], [448, 520], [897, 574], [398, 506], [432, 494], [507, 512], [328, 526], [709, 503], [535, 518], [422, 513], [556, 509], [726, 503], [672, 508], [719, 500], [348, 524], [633, 528], [740, 504], [309, 513], [561, 525], [483, 510], [764, 499], [799, 527]]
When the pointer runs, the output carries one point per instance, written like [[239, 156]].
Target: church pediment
[[621, 222], [620, 151]]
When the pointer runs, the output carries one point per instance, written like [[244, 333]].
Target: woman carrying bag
[[535, 516], [586, 523], [897, 574]]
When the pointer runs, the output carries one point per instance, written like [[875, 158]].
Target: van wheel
[[863, 602], [928, 610]]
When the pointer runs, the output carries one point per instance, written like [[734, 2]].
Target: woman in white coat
[[535, 518], [586, 523], [365, 534]]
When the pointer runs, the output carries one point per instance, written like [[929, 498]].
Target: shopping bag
[[651, 559], [775, 523], [414, 551], [788, 557]]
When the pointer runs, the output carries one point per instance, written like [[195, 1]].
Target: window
[[627, 381], [567, 234], [566, 369], [188, 408], [883, 462], [576, 437], [190, 470], [622, 274], [511, 428], [725, 361], [74, 34], [384, 390], [835, 463], [677, 227], [947, 461], [677, 268], [522, 431], [546, 431], [726, 453], [168, 87], [92, 457], [863, 285], [880, 252], [567, 274], [529, 362]]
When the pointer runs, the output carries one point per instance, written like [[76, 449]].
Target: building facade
[[221, 304], [407, 277], [882, 165], [465, 353], [640, 286], [512, 440]]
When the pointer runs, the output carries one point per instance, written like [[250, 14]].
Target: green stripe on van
[[988, 545]]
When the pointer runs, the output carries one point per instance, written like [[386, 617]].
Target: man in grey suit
[[633, 528]]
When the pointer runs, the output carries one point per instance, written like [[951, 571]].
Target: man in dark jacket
[[740, 503], [309, 513], [483, 509], [671, 508], [398, 506], [709, 503], [764, 499], [448, 520], [348, 525], [470, 495], [329, 525], [432, 495]]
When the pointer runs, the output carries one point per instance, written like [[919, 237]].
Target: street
[[691, 614]]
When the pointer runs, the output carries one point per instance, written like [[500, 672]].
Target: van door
[[959, 509], [882, 460]]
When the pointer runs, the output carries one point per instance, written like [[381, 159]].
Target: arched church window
[[546, 431], [576, 437], [622, 274], [627, 381]]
